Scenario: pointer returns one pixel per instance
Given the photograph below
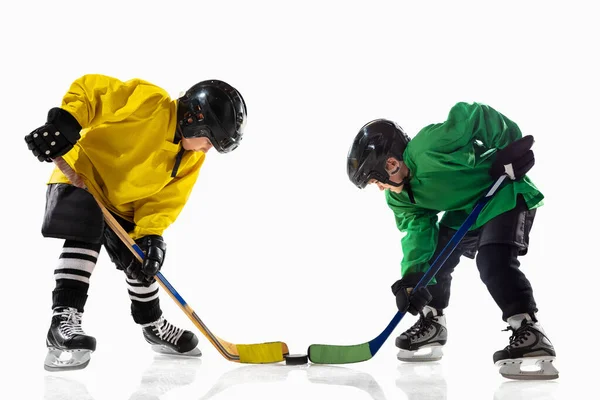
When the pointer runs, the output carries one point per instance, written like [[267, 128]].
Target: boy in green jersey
[[447, 167]]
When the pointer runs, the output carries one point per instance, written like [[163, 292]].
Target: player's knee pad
[[119, 252]]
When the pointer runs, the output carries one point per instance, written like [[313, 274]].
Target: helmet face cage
[[215, 110]]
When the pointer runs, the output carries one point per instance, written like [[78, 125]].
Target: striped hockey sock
[[72, 275], [145, 306]]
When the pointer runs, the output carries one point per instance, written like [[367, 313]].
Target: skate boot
[[69, 348], [166, 338], [424, 340], [528, 347]]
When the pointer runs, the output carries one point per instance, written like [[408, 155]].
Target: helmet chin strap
[[405, 181], [389, 182]]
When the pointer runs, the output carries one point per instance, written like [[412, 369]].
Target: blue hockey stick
[[336, 354]]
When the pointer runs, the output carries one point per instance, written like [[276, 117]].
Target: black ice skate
[[166, 338], [424, 340], [528, 347], [69, 348]]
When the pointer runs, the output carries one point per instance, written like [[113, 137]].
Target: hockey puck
[[296, 359]]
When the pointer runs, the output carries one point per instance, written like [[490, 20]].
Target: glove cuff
[[409, 280], [152, 240], [66, 124]]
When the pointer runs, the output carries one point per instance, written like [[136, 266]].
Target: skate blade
[[538, 369], [66, 360], [424, 354], [168, 351]]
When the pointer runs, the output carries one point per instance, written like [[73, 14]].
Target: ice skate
[[69, 348], [166, 338], [424, 340], [529, 355]]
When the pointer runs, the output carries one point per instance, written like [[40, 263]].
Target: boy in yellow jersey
[[139, 152]]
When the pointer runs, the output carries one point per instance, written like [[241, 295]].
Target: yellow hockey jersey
[[127, 153]]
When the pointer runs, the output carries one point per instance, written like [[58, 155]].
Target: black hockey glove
[[56, 137], [408, 299], [155, 249], [515, 160]]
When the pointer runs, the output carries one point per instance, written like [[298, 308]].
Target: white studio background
[[275, 243]]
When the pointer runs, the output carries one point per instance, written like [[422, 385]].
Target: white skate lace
[[167, 331], [71, 322]]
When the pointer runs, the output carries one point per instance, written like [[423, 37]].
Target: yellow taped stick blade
[[262, 353]]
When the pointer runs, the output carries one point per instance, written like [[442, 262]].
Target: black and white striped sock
[[145, 307], [72, 275], [139, 292]]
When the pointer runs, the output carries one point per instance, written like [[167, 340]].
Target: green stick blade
[[332, 354]]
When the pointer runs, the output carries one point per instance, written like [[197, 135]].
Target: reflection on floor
[[178, 378]]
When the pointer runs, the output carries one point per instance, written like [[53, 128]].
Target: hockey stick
[[340, 354], [258, 353]]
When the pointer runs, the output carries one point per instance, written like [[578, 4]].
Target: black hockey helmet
[[215, 110], [377, 141]]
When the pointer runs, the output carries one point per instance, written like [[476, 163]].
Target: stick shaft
[[139, 254], [336, 354]]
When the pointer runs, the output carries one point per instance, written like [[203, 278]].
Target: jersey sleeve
[[96, 99], [467, 123], [421, 231], [419, 242]]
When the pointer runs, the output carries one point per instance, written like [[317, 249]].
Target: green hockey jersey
[[449, 166]]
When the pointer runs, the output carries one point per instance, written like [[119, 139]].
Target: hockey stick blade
[[257, 353], [346, 354]]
